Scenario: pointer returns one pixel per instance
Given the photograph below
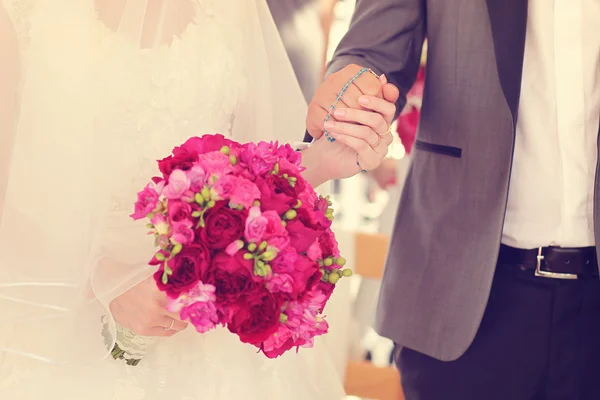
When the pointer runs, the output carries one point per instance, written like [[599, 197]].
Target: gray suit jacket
[[448, 228]]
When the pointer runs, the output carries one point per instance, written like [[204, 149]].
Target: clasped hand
[[359, 124]]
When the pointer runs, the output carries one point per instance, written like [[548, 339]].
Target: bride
[[92, 93]]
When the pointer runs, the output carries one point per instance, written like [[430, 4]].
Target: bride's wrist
[[315, 173]]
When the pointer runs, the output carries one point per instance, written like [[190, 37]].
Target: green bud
[[239, 207], [269, 255], [225, 150], [210, 204], [165, 278], [291, 214], [276, 168], [347, 273], [263, 245], [168, 270], [293, 179], [283, 318], [285, 176], [205, 192], [328, 262], [333, 278], [160, 256], [298, 204], [292, 183], [337, 272], [149, 226], [248, 256], [341, 261], [151, 215], [252, 247], [176, 249], [283, 223], [199, 199], [256, 203], [197, 214], [232, 160]]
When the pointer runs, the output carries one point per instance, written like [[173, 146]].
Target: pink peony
[[179, 211], [147, 200], [205, 144], [274, 225], [258, 157], [179, 183], [256, 225]]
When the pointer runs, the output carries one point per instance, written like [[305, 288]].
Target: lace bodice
[[153, 99]]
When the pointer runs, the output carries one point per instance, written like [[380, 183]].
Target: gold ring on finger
[[171, 326]]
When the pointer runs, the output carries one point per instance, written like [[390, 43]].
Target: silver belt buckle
[[548, 274]]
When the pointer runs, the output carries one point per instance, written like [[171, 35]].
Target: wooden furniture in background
[[364, 379]]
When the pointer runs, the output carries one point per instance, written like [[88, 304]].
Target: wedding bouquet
[[242, 241]]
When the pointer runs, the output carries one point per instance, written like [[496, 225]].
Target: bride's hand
[[142, 309]]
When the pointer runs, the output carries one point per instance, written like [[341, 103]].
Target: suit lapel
[[508, 19]]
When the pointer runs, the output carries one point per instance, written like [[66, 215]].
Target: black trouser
[[539, 340]]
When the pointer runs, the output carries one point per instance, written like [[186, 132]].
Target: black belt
[[553, 262]]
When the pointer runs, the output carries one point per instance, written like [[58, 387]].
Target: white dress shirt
[[551, 193]]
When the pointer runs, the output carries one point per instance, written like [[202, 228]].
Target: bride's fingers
[[172, 322], [386, 108], [362, 132], [367, 157], [368, 118]]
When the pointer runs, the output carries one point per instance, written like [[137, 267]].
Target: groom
[[491, 290]]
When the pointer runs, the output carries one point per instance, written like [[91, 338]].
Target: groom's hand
[[367, 86]]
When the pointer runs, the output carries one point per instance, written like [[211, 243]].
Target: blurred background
[[365, 205]]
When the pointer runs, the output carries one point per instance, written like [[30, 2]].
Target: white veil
[[56, 277]]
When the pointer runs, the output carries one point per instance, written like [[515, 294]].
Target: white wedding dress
[[193, 75]]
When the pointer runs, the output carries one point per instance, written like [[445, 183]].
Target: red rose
[[276, 194], [189, 267], [233, 276], [328, 244], [301, 236], [179, 211], [182, 160], [222, 225], [205, 144], [258, 319], [306, 274]]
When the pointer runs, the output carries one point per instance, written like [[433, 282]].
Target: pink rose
[[224, 186], [256, 225], [147, 200], [197, 177], [215, 163], [179, 183], [183, 232], [244, 193]]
